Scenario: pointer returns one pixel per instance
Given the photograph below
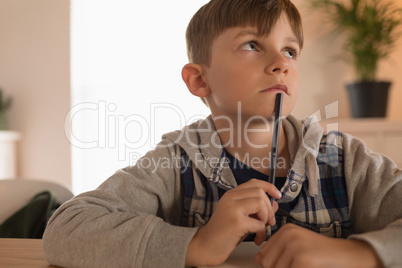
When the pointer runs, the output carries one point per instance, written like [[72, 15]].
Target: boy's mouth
[[277, 87]]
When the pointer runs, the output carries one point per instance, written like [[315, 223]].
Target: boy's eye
[[290, 53], [251, 46]]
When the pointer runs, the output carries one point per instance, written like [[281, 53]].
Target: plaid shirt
[[326, 212]]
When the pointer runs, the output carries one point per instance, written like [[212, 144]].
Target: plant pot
[[368, 99], [8, 154]]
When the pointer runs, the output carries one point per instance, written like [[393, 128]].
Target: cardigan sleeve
[[374, 185], [131, 220]]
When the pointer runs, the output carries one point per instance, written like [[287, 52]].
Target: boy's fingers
[[263, 211], [257, 227], [257, 205], [275, 206], [258, 258], [256, 208], [260, 237], [239, 194], [272, 220], [267, 187]]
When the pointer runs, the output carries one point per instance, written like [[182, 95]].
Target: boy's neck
[[252, 145]]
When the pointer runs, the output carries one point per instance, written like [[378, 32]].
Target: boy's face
[[251, 69]]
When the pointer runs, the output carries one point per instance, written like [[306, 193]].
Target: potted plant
[[5, 104], [371, 29]]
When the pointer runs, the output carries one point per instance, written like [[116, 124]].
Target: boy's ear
[[192, 75]]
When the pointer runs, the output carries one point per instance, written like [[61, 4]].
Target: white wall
[[35, 71]]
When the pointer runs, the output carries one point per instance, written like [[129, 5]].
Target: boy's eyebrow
[[293, 40], [246, 32], [256, 33]]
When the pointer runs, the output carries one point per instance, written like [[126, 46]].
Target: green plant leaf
[[370, 27]]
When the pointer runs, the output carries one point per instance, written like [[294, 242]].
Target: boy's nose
[[277, 64]]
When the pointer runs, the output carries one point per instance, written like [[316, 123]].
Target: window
[[126, 60]]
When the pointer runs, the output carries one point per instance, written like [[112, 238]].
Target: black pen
[[275, 140]]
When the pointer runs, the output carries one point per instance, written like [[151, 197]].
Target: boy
[[194, 198]]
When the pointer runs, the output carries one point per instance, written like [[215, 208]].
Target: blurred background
[[96, 83]]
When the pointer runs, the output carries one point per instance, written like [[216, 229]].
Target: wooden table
[[241, 257], [22, 253], [27, 253]]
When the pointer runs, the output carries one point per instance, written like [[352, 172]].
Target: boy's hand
[[294, 246], [242, 210]]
